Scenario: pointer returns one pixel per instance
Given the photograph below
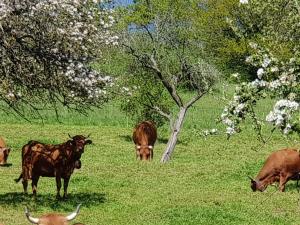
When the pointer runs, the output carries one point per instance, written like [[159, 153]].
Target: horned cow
[[144, 137], [52, 218], [281, 166], [47, 160]]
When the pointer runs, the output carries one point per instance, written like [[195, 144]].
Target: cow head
[[50, 219], [79, 141], [4, 152], [257, 185], [144, 152]]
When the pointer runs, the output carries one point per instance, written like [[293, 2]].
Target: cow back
[[285, 159], [145, 133], [45, 159]]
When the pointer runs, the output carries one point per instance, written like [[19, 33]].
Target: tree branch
[[152, 64], [157, 109], [170, 87], [194, 99]]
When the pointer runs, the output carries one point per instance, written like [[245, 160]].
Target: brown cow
[[2, 143], [46, 160], [281, 166], [144, 137], [52, 218], [4, 152]]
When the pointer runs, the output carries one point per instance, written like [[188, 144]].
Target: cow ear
[[88, 142]]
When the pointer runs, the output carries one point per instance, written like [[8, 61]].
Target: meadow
[[204, 183]]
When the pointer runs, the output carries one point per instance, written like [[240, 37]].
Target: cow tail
[[19, 178]]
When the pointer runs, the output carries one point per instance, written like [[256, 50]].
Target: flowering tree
[[46, 50], [278, 75], [164, 45]]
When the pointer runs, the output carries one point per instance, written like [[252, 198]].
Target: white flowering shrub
[[46, 51], [278, 78]]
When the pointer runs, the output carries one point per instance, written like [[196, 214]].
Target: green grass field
[[205, 182]]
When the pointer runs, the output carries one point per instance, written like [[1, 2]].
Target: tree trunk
[[174, 135]]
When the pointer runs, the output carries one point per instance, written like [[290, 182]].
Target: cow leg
[[25, 185], [66, 183], [35, 180], [282, 181], [58, 186]]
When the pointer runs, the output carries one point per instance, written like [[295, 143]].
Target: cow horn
[[250, 178], [73, 214], [88, 136], [30, 218], [70, 136]]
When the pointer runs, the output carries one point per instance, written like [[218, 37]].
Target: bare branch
[[194, 99], [148, 32], [170, 87], [157, 109], [143, 59]]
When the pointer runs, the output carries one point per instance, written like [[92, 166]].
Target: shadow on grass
[[6, 165], [126, 138], [164, 140], [15, 199], [291, 186]]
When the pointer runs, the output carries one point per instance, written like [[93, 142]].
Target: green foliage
[[273, 24], [220, 43], [146, 91], [165, 51], [276, 57]]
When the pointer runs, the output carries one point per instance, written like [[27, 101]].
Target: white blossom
[[266, 62], [260, 72], [244, 1], [235, 75], [281, 114], [230, 131]]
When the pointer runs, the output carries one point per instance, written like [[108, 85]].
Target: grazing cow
[[47, 160], [281, 166], [4, 152], [52, 218], [144, 137]]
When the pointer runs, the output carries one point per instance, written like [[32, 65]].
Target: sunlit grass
[[205, 183]]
